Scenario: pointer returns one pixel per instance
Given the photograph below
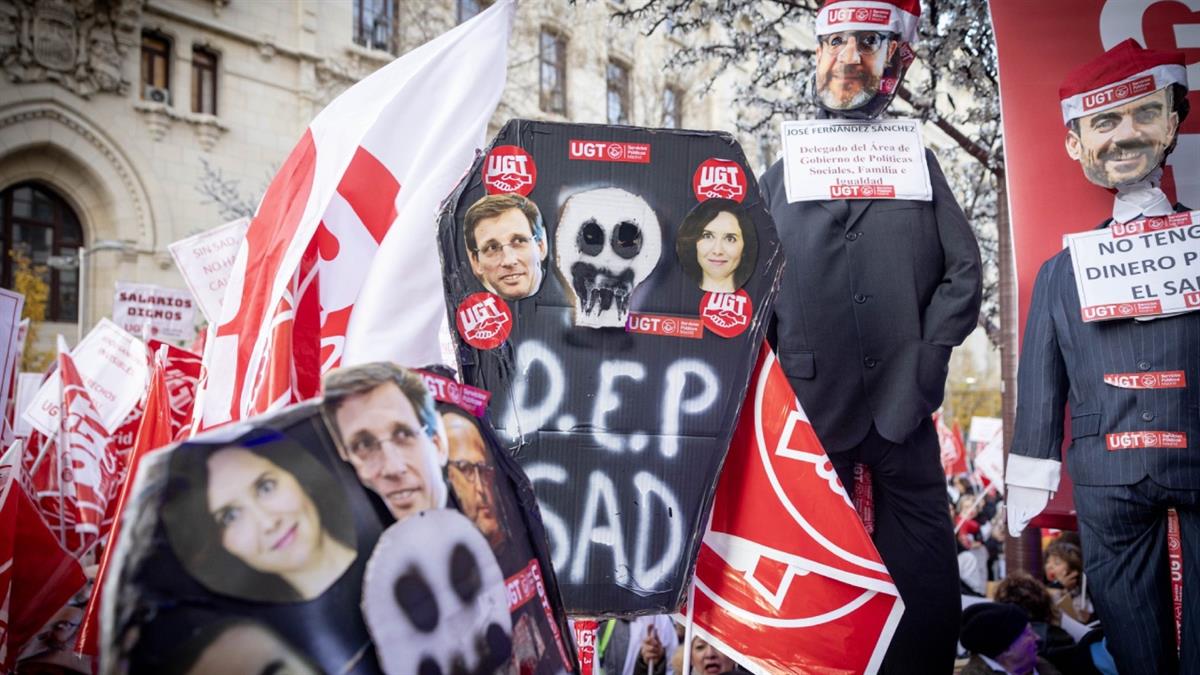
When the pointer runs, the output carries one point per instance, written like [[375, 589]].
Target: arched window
[[38, 223]]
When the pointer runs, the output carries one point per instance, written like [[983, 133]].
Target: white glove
[[1029, 485], [1022, 504]]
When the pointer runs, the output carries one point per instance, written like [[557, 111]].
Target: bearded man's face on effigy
[[1122, 145], [850, 65]]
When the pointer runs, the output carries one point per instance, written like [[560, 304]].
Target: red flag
[[155, 432], [181, 372], [954, 455], [787, 579], [37, 576], [10, 465], [960, 451], [87, 473]]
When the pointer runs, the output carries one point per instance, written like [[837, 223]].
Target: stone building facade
[[126, 125]]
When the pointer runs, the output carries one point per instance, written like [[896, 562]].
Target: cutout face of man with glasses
[[390, 433], [472, 476], [850, 65], [506, 243]]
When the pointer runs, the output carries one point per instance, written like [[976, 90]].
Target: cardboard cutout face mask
[[1122, 145], [857, 72], [608, 242], [437, 607]]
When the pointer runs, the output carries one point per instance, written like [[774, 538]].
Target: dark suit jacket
[[870, 307], [1064, 359]]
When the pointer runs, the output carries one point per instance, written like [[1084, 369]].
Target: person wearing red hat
[[1122, 111], [875, 294]]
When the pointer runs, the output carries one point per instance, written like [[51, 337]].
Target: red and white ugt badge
[[509, 169], [484, 320]]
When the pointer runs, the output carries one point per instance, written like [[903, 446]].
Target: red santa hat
[[893, 16], [1125, 72]]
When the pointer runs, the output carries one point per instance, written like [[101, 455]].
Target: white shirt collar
[[996, 666], [1143, 198]]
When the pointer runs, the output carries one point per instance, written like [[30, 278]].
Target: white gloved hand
[[1029, 484], [1022, 504]]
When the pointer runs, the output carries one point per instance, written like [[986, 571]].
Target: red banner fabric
[[788, 580]]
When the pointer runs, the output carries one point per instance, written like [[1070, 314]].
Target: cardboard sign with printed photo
[[255, 533], [418, 450], [248, 547], [613, 381]]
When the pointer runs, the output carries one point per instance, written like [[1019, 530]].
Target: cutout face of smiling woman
[[265, 519], [719, 252], [258, 520], [268, 522], [717, 245]]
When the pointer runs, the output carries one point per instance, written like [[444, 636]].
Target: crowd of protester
[[653, 645], [1013, 621]]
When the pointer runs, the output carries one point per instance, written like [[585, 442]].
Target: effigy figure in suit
[[1133, 385], [875, 294]]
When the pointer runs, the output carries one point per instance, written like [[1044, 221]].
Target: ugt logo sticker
[[720, 178], [726, 314], [509, 168], [484, 320]]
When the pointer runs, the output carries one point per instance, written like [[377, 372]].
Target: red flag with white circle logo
[[788, 580]]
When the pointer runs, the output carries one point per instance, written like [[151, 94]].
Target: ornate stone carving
[[133, 189], [208, 129], [80, 44], [160, 117], [333, 76]]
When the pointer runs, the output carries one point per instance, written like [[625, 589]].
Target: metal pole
[[1024, 552], [82, 283]]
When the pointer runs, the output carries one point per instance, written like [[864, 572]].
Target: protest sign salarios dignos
[[154, 311], [1145, 267], [840, 159]]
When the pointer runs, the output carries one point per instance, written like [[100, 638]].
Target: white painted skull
[[608, 241], [434, 598]]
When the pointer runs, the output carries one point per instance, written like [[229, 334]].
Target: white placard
[[115, 367], [989, 459], [841, 159], [11, 303], [168, 313], [28, 385], [1146, 267], [205, 260], [984, 429]]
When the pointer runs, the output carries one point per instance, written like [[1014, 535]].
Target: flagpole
[[687, 629]]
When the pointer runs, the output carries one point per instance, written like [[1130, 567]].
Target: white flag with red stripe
[[88, 472], [377, 161]]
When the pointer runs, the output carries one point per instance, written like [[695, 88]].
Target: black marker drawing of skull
[[608, 242], [434, 598]]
